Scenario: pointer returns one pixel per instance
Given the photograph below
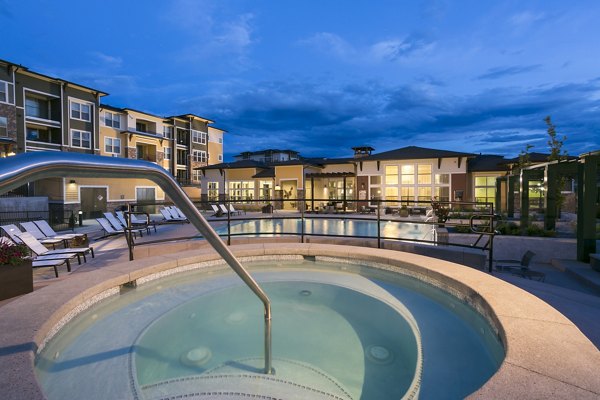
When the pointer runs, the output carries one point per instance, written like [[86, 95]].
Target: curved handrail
[[22, 168]]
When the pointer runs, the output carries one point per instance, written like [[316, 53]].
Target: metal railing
[[27, 167], [478, 215]]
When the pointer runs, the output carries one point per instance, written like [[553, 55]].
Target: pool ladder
[[18, 170]]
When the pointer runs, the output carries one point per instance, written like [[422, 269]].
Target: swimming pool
[[334, 227], [340, 329]]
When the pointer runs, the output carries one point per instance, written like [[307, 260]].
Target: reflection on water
[[321, 226]]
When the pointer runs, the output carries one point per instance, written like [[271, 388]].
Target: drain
[[196, 357], [379, 354], [305, 293]]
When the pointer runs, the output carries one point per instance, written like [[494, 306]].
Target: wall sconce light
[[277, 187], [72, 181]]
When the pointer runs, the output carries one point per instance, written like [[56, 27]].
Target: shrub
[[11, 254]]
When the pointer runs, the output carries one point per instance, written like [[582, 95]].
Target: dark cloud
[[501, 72], [318, 120]]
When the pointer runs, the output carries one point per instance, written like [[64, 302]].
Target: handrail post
[[378, 224]]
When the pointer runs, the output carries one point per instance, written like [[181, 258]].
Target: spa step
[[241, 380]]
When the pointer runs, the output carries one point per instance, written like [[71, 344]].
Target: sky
[[321, 77]]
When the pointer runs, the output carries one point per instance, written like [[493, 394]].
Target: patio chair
[[216, 211], [134, 222], [108, 229], [120, 227], [176, 212], [232, 210], [521, 267], [223, 209], [41, 250], [12, 231], [168, 217], [49, 232], [35, 231]]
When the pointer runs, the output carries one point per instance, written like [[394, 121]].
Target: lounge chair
[[176, 212], [217, 211], [223, 209], [45, 261], [119, 226], [135, 223], [12, 231], [168, 217], [521, 267], [49, 232], [35, 231], [232, 210], [41, 250]]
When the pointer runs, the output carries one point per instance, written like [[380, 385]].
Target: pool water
[[338, 328], [324, 226]]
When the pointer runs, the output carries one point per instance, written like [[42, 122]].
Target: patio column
[[587, 195], [498, 197], [551, 198], [524, 188], [312, 193], [344, 194], [510, 196]]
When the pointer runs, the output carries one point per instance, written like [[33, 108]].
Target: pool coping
[[546, 354]]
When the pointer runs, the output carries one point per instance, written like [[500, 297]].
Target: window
[[213, 191], [80, 111], [408, 175], [45, 135], [141, 127], [221, 140], [196, 175], [220, 157], [265, 192], [168, 131], [442, 179], [375, 180], [111, 119], [168, 153], [3, 92], [391, 175], [391, 194], [112, 145], [407, 193], [485, 189], [35, 107], [199, 137], [81, 139], [424, 174], [199, 156], [3, 126], [442, 193], [241, 190], [424, 193]]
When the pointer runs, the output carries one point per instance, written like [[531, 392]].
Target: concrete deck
[[547, 354]]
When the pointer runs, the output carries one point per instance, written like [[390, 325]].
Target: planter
[[15, 280]]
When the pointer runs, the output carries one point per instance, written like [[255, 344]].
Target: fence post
[[302, 222], [228, 224], [378, 224]]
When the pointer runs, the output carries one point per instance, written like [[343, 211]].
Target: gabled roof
[[265, 173], [487, 162], [186, 117], [236, 165], [414, 152], [330, 161], [534, 158]]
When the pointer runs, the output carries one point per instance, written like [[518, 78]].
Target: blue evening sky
[[322, 76]]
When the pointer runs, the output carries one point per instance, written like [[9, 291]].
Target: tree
[[555, 143]]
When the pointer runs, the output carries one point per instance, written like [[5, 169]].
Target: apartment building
[[43, 113]]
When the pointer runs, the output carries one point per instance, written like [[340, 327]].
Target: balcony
[[146, 152]]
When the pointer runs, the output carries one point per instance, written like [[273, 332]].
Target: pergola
[[585, 168], [343, 175]]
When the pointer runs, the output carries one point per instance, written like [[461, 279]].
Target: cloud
[[388, 50], [107, 60], [501, 72], [526, 19], [397, 49]]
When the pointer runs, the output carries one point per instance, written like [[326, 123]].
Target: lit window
[[408, 175], [81, 111], [485, 189], [391, 175], [424, 174], [112, 145], [213, 191], [391, 193], [81, 139]]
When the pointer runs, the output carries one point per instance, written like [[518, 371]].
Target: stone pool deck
[[547, 354]]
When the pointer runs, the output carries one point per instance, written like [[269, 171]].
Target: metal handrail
[[27, 167], [491, 233]]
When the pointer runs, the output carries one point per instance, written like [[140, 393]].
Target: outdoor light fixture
[[72, 181]]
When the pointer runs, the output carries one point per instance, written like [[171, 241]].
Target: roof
[[265, 173], [487, 162], [188, 116], [113, 108], [534, 158], [142, 112], [414, 152], [236, 165], [26, 69], [329, 161], [265, 151]]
